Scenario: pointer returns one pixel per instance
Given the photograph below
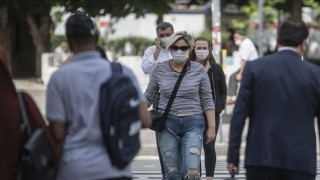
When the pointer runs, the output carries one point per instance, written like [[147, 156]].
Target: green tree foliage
[[118, 8], [138, 44]]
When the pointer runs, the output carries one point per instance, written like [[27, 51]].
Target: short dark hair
[[81, 25], [163, 26], [292, 33]]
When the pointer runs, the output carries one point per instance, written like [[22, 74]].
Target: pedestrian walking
[[9, 123], [247, 52], [154, 55], [202, 53], [280, 93], [181, 140], [72, 107]]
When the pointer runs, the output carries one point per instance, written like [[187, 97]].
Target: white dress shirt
[[148, 61]]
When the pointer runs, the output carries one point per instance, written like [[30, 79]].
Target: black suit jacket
[[280, 94]]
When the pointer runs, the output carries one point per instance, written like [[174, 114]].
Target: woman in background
[[202, 53]]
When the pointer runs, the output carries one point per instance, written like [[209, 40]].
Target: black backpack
[[119, 113]]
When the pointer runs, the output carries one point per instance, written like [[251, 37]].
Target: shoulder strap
[[25, 119], [175, 89], [116, 68]]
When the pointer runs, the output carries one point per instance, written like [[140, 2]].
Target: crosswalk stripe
[[145, 169]]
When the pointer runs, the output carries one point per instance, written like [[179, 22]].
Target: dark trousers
[[210, 157], [268, 173], [233, 84]]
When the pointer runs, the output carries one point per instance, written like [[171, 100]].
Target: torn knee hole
[[194, 150], [193, 174]]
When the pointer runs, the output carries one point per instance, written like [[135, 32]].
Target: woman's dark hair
[[292, 33], [210, 57]]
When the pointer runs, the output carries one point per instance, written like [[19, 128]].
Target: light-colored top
[[72, 98], [247, 50], [193, 96], [148, 61], [59, 56]]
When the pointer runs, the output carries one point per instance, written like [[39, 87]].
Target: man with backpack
[[73, 107]]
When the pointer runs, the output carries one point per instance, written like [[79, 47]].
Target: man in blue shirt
[[73, 107]]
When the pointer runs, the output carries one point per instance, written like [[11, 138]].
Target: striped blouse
[[193, 96]]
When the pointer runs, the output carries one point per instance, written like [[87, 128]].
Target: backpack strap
[[116, 68], [25, 119]]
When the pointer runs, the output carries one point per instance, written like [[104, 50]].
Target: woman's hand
[[211, 135]]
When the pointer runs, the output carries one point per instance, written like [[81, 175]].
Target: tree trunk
[[39, 35], [159, 19], [296, 10]]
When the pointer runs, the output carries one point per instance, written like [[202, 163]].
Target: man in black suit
[[280, 94]]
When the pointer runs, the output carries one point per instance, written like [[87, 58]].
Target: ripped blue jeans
[[181, 144]]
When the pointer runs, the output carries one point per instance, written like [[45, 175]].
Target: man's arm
[[150, 57], [158, 48], [240, 113], [148, 61], [239, 75], [58, 131]]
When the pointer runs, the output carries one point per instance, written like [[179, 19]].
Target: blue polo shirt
[[73, 99]]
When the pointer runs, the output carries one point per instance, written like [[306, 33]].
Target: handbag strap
[[175, 89]]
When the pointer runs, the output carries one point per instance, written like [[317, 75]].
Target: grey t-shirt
[[72, 98]]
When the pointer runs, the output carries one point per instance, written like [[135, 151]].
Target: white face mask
[[180, 56], [238, 42], [202, 54], [165, 41]]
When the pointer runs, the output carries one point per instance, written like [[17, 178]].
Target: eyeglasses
[[182, 48]]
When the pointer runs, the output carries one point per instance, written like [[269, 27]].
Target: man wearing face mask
[[158, 53], [154, 55], [247, 52]]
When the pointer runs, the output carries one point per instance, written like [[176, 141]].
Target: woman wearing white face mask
[[181, 140], [202, 53]]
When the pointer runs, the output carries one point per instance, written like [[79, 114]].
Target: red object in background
[[215, 28], [104, 24]]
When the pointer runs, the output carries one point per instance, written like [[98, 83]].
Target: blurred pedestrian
[[280, 94], [154, 55], [73, 107], [230, 43], [61, 53], [247, 52], [181, 140], [202, 53], [9, 123]]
